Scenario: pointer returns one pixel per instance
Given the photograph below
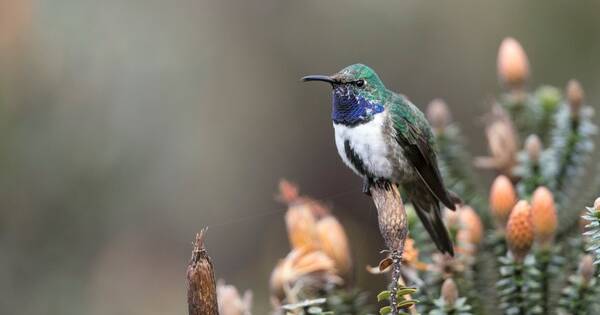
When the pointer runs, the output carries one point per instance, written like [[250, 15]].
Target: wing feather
[[419, 152]]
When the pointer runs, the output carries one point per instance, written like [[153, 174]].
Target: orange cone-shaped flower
[[301, 226], [519, 230], [334, 243], [300, 264], [533, 147], [543, 213], [471, 228], [503, 142], [449, 292], [513, 66], [288, 191], [587, 268], [503, 198], [575, 96], [411, 253]]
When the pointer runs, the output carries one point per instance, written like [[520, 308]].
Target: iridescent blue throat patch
[[352, 109]]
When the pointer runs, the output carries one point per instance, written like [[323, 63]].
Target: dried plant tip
[[385, 264], [393, 226], [438, 114], [533, 147], [513, 66], [543, 213], [202, 292], [449, 291], [391, 215], [301, 226], [334, 243], [575, 96], [519, 230], [587, 269], [503, 198], [288, 192]]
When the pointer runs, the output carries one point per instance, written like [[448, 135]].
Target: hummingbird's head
[[358, 94]]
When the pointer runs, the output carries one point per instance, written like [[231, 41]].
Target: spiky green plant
[[492, 268], [580, 294], [449, 303], [592, 233], [349, 302], [556, 157], [519, 286]]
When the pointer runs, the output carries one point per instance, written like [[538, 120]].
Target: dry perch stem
[[202, 289], [391, 214], [393, 226]]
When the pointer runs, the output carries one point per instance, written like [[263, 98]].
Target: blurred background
[[127, 126]]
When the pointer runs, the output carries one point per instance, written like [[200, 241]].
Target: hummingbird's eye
[[360, 83]]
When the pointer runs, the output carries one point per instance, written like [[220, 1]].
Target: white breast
[[367, 141]]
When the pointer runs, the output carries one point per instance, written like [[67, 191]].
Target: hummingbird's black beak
[[323, 78]]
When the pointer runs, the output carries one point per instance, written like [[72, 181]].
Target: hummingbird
[[386, 139]]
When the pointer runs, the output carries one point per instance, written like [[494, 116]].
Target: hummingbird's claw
[[366, 187]]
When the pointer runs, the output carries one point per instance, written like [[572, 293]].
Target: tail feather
[[429, 213]]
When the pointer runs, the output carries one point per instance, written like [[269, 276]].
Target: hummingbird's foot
[[383, 183], [366, 187]]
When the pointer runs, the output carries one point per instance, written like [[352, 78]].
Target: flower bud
[[533, 147], [449, 292], [543, 213], [587, 269], [519, 230], [513, 66], [575, 96], [230, 301], [410, 255], [438, 114], [503, 142], [597, 204], [451, 219], [301, 226], [503, 198], [288, 192], [549, 98], [471, 228], [334, 243], [314, 266]]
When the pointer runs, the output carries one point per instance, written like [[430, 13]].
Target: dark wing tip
[[454, 200]]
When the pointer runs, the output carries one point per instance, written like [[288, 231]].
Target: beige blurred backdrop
[[126, 126]]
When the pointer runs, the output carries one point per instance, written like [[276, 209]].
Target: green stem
[[520, 300], [544, 260], [567, 158], [396, 265], [580, 305]]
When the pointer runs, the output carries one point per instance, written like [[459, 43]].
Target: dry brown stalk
[[393, 226], [202, 289]]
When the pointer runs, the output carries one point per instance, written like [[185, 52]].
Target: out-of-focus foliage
[[127, 125]]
